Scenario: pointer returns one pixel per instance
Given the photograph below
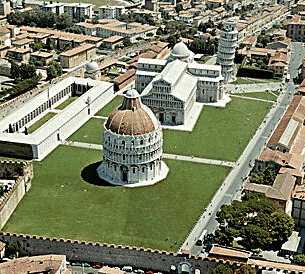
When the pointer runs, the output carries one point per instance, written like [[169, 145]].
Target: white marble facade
[[171, 87], [132, 145]]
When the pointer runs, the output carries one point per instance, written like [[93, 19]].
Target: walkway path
[[253, 98], [257, 87], [165, 155]]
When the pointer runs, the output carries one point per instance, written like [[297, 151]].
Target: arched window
[[124, 156], [123, 143], [141, 142]]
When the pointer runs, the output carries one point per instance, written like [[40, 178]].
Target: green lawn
[[91, 132], [61, 204], [259, 95], [41, 122], [67, 102], [220, 133], [110, 107]]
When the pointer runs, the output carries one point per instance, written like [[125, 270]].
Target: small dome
[[92, 66], [180, 50], [132, 117]]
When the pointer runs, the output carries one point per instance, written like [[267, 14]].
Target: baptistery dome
[[132, 145], [132, 117]]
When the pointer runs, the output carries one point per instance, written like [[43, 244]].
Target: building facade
[[171, 87], [226, 49], [132, 145]]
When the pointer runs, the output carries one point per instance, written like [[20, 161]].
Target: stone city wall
[[104, 253], [22, 173]]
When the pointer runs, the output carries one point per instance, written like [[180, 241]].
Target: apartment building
[[111, 12], [76, 56], [296, 29]]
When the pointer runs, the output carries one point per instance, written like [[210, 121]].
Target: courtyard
[[67, 200], [213, 136]]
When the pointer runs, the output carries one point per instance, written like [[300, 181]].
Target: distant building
[[111, 12], [228, 42], [5, 8], [151, 5], [76, 56], [79, 11], [57, 8], [296, 29]]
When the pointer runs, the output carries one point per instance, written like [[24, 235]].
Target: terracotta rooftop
[[281, 189], [277, 134], [49, 264], [229, 252], [132, 117], [113, 39], [77, 50]]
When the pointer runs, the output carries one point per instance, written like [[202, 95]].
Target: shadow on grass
[[89, 175]]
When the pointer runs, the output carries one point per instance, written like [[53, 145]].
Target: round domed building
[[180, 51], [92, 71], [132, 145]]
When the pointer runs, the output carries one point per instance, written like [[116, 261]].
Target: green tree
[[15, 71], [299, 259], [222, 269], [27, 71], [54, 70], [245, 269], [256, 220]]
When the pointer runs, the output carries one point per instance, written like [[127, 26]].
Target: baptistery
[[132, 145]]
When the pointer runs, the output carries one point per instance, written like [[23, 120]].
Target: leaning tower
[[226, 49]]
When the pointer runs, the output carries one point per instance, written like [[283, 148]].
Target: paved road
[[165, 155], [232, 186]]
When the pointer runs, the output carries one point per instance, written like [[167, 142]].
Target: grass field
[[65, 201], [67, 102], [259, 95], [219, 133], [110, 107], [40, 122]]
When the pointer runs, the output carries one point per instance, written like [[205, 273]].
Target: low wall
[[108, 254], [22, 173]]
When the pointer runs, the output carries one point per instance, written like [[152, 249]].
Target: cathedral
[[132, 145], [171, 87]]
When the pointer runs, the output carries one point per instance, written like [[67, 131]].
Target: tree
[[222, 269], [245, 269], [179, 7], [127, 42], [27, 71], [54, 70], [256, 220], [15, 71], [299, 259]]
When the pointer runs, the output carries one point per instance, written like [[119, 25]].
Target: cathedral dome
[[132, 117], [92, 66], [180, 51]]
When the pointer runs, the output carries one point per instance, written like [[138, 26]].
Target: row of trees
[[256, 221], [38, 18]]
